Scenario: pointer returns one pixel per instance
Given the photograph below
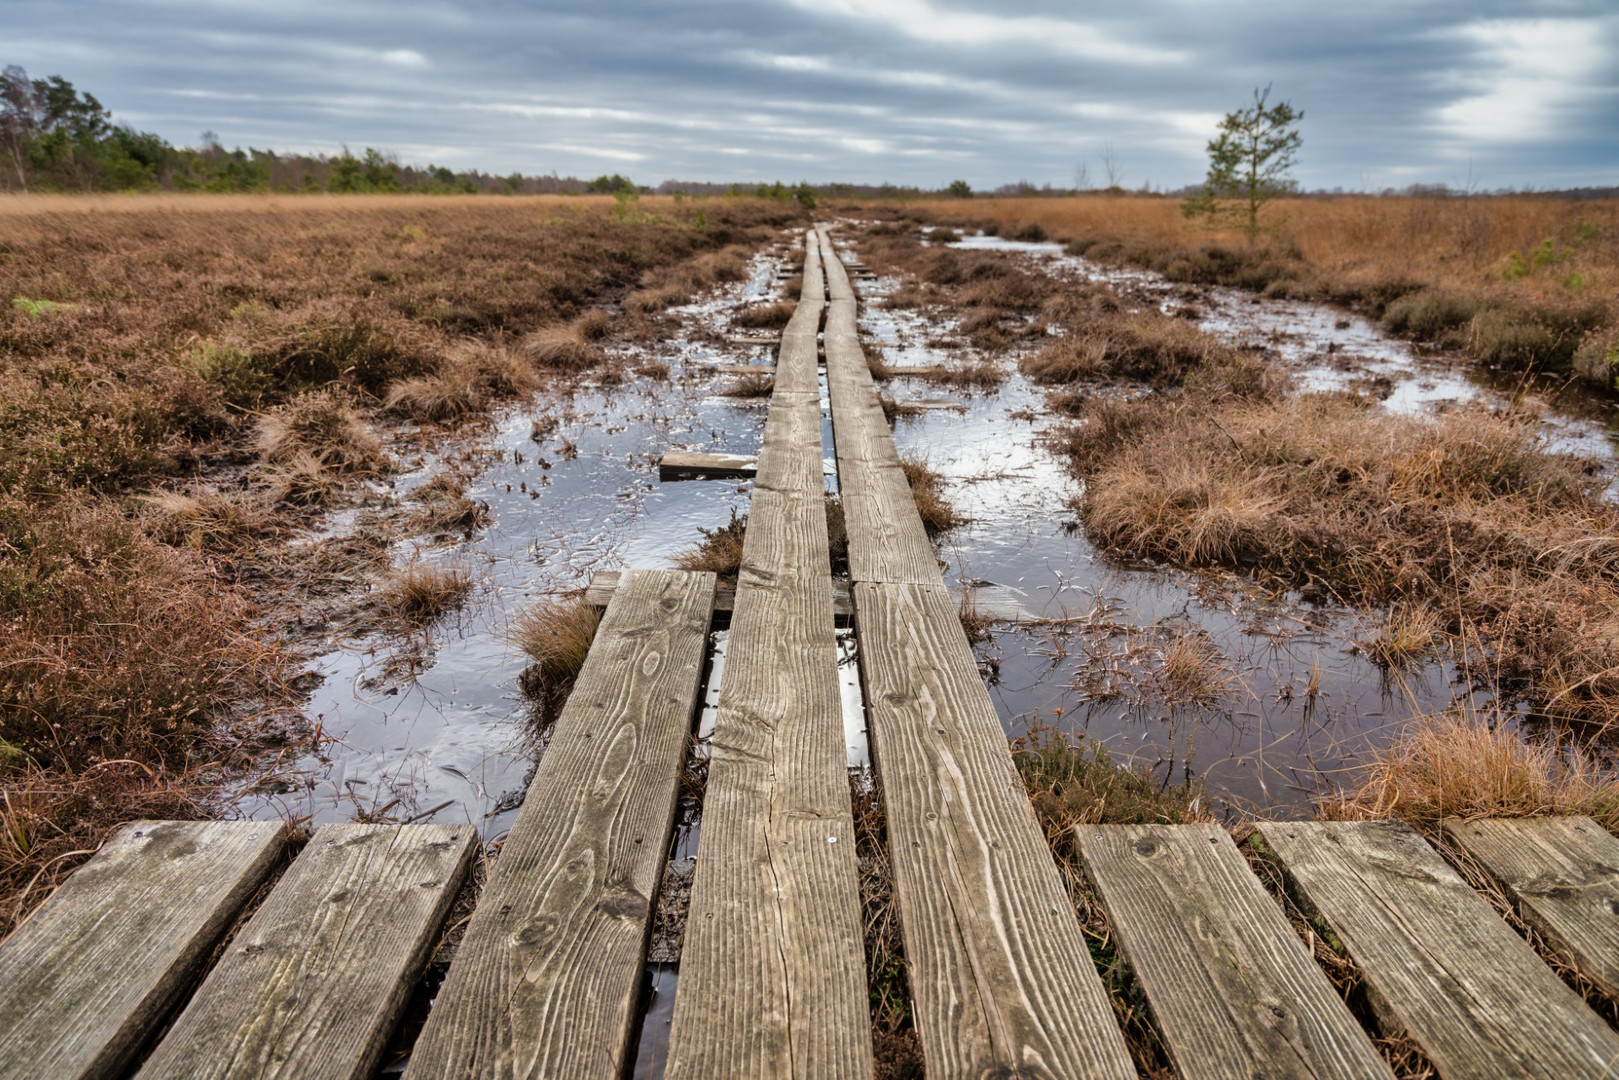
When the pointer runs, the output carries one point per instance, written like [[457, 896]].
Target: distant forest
[[54, 137]]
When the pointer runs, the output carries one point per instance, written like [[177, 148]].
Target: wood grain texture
[[1439, 963], [886, 539], [1562, 874], [772, 971], [88, 978], [314, 985], [599, 593], [546, 981], [1234, 991], [1001, 980]]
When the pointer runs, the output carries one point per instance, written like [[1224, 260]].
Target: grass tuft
[[927, 490], [556, 635], [1465, 765], [564, 348], [772, 316], [418, 593], [719, 551], [322, 425], [750, 386]]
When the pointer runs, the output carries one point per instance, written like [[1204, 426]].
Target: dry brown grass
[[1467, 518], [471, 378], [1440, 241], [556, 635], [442, 397], [674, 285], [323, 425], [1463, 765], [719, 551], [118, 657], [1474, 274], [927, 490], [1002, 298], [1103, 342], [567, 348], [772, 316], [419, 593], [750, 386], [188, 333], [210, 519], [445, 508]]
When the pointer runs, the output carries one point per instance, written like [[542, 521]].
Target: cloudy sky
[[907, 91]]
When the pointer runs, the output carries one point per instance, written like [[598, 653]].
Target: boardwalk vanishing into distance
[[176, 952]]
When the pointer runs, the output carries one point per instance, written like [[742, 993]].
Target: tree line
[[54, 137]]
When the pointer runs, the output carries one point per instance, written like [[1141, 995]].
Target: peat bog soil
[[1253, 700], [1257, 699], [1260, 696]]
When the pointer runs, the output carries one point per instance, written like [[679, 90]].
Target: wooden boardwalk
[[177, 951]]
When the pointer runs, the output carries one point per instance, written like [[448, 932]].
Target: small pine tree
[[1249, 162], [960, 189]]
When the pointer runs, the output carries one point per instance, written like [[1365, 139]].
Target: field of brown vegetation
[[185, 381], [1463, 534], [1517, 282]]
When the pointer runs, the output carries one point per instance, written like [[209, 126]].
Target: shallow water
[[450, 738], [1294, 701], [1329, 348]]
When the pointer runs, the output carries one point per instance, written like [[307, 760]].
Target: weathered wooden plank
[[1233, 989], [772, 971], [546, 981], [991, 602], [1562, 874], [887, 540], [1000, 978], [88, 978], [685, 464], [999, 974], [1440, 964], [599, 593], [313, 986]]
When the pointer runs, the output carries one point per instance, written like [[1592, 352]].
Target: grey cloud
[[909, 91]]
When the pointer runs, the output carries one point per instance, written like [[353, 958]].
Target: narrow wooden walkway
[[772, 975], [1000, 978], [176, 952]]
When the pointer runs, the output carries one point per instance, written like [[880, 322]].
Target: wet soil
[[1291, 700], [432, 726]]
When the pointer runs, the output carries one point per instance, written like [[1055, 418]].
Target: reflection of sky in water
[[457, 731], [450, 741], [1268, 742], [1327, 348]]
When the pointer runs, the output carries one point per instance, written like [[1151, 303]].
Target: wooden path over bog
[[178, 951]]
